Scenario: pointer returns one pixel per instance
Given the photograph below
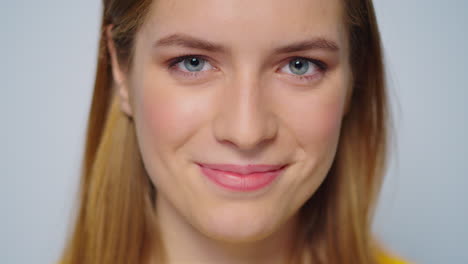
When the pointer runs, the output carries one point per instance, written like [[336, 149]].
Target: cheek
[[165, 119], [316, 121], [160, 119], [324, 124], [315, 124]]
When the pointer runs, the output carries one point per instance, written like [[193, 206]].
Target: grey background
[[48, 51]]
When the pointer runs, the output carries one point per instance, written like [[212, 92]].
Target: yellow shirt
[[387, 259]]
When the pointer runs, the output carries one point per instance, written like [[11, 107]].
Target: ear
[[119, 76]]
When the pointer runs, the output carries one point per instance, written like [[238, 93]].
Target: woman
[[234, 132]]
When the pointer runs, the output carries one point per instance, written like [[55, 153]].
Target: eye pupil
[[299, 66], [194, 64]]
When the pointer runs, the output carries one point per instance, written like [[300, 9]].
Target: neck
[[184, 244]]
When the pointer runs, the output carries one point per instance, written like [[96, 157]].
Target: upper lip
[[242, 169]]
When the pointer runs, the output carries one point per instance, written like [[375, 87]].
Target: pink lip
[[242, 178]]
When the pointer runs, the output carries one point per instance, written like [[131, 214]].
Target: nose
[[244, 118]]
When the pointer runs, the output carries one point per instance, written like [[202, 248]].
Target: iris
[[194, 64], [299, 66]]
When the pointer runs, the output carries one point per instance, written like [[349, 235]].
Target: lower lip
[[239, 182]]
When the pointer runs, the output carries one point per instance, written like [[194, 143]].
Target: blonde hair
[[117, 200]]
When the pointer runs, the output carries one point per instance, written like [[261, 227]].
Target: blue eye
[[303, 67], [299, 66], [192, 64]]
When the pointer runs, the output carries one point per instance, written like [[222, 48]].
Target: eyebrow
[[313, 44], [188, 41]]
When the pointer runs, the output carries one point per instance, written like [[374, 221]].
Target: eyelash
[[175, 61], [321, 66]]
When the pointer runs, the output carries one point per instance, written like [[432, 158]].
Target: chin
[[237, 225]]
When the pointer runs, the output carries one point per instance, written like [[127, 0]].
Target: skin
[[244, 107]]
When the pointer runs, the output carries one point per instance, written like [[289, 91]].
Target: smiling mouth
[[242, 178]]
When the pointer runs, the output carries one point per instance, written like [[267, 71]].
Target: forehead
[[246, 22]]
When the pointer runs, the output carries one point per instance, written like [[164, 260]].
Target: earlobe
[[118, 75], [124, 100]]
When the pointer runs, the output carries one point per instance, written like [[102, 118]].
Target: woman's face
[[262, 82]]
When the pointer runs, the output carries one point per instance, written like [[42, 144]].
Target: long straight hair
[[115, 225]]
